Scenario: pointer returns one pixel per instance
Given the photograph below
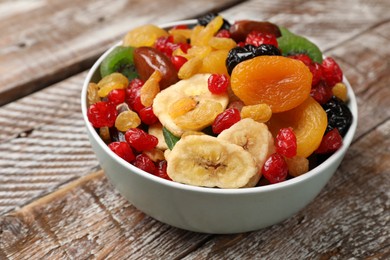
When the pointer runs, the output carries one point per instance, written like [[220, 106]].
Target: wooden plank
[[89, 219], [44, 41]]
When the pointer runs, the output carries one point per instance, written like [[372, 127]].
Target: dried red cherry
[[123, 150], [275, 168], [331, 142], [225, 120], [140, 140], [143, 162], [102, 114], [286, 142]]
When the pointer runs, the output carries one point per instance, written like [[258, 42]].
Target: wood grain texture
[[44, 41]]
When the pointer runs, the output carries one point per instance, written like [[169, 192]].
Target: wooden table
[[56, 202]]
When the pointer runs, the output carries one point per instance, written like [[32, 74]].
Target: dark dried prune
[[239, 54], [205, 19], [339, 115]]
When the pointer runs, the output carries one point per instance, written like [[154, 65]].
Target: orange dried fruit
[[278, 81], [308, 120]]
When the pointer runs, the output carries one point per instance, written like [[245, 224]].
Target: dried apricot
[[280, 82], [308, 121]]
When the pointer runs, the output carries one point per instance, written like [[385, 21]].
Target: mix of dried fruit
[[220, 105]]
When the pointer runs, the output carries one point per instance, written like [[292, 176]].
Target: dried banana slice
[[207, 161], [253, 136], [193, 116]]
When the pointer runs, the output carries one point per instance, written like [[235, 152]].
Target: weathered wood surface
[[43, 146], [43, 41]]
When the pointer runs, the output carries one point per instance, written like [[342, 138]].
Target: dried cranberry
[[117, 96], [140, 140], [218, 83], [275, 168], [331, 142], [316, 70], [180, 27], [162, 170], [257, 38], [133, 95], [123, 150], [302, 57], [225, 120], [178, 61], [331, 71], [321, 92], [143, 162], [102, 114], [147, 116], [286, 142], [223, 34]]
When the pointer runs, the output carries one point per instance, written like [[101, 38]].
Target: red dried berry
[[133, 95], [302, 57], [143, 162], [123, 150], [257, 38], [286, 142], [331, 142], [166, 45], [226, 119], [321, 92], [218, 83], [331, 72], [184, 47], [102, 114], [140, 140], [178, 61], [180, 27], [223, 34], [147, 116], [316, 71], [162, 170], [117, 96], [275, 168]]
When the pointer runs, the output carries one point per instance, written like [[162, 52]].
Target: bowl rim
[[347, 140]]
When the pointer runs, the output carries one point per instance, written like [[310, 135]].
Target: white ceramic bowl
[[212, 210]]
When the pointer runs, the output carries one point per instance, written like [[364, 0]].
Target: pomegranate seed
[[257, 38], [275, 168], [302, 57], [331, 72], [331, 142], [143, 162], [226, 119], [322, 93], [147, 116], [162, 170], [117, 96], [218, 83], [133, 95], [178, 61], [286, 142], [140, 140], [123, 150], [316, 71], [223, 34], [102, 114]]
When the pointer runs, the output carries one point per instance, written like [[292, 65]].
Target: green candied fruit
[[290, 44], [120, 59]]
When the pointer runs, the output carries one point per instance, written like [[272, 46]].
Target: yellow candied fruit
[[208, 32], [260, 113], [155, 154], [92, 94], [181, 106], [126, 120], [195, 34], [190, 68], [110, 82], [340, 91], [150, 88], [215, 62], [222, 43], [297, 165], [198, 51], [145, 35]]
